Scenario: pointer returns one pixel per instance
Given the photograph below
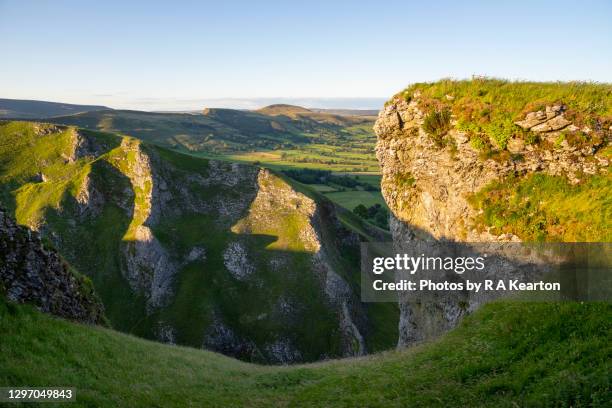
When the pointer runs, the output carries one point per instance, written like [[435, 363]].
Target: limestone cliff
[[441, 144], [428, 186]]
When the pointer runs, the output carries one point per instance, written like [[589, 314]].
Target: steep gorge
[[189, 251]]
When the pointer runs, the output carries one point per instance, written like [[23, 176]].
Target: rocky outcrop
[[31, 273], [549, 120], [83, 146], [236, 261], [427, 185], [90, 201], [148, 267], [275, 203], [424, 186], [221, 338], [272, 208]]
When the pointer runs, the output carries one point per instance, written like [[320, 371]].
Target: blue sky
[[182, 54]]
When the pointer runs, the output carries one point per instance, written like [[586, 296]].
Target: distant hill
[[31, 109], [319, 115], [283, 135], [283, 109]]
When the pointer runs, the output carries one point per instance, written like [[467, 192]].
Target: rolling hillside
[[279, 135], [505, 355]]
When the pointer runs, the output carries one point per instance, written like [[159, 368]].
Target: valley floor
[[506, 354]]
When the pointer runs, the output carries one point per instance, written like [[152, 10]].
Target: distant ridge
[[283, 109], [331, 116], [32, 109]]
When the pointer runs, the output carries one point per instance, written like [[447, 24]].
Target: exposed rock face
[[83, 146], [197, 253], [423, 185], [90, 200], [221, 338], [548, 120], [236, 261], [276, 200], [30, 273], [283, 352], [427, 188], [148, 267], [166, 333]]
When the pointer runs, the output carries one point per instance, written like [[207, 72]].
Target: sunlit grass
[[542, 207], [505, 354]]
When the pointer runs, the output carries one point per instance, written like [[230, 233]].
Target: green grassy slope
[[505, 355], [543, 207]]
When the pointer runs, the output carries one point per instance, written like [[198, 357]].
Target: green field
[[505, 355], [351, 199], [323, 188], [348, 191], [306, 157], [371, 179]]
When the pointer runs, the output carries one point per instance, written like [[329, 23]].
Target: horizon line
[[169, 104]]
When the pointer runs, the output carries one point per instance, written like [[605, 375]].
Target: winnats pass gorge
[[306, 204], [203, 282]]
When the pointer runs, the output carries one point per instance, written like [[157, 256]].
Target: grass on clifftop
[[505, 355], [487, 108], [541, 207]]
